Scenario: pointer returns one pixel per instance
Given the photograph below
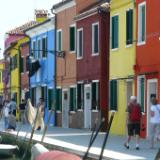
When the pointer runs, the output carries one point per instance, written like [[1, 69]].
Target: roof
[[98, 7], [61, 4], [38, 24], [22, 28]]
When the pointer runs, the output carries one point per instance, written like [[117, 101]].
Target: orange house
[[147, 67]]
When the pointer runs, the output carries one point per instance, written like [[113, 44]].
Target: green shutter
[[59, 41], [96, 38], [94, 96], [58, 99], [143, 22], [142, 93], [114, 32], [129, 27], [50, 98], [113, 95], [72, 38]]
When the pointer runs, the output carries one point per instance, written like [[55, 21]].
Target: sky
[[14, 13]]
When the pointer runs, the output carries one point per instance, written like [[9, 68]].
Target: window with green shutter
[[113, 95], [72, 101], [115, 32], [39, 48], [50, 98], [80, 96], [142, 22], [59, 40], [95, 95], [129, 27], [72, 31], [44, 47], [33, 49], [58, 99], [33, 95], [22, 65], [95, 38], [43, 92]]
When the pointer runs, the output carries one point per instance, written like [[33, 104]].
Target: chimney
[[41, 15]]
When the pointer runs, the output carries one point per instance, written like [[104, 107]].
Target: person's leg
[[137, 132], [129, 136], [153, 130]]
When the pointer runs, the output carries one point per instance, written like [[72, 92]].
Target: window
[[59, 40], [43, 92], [44, 47], [58, 99], [80, 43], [114, 32], [33, 49], [141, 23], [113, 95], [95, 95], [50, 98], [129, 27], [22, 65], [72, 31], [38, 49], [95, 38], [13, 62], [141, 92], [80, 96], [72, 101]]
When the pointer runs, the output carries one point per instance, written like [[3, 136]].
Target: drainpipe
[[55, 68]]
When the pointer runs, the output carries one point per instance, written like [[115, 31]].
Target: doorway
[[65, 108], [87, 106]]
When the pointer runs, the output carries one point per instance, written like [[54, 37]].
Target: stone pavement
[[76, 141]]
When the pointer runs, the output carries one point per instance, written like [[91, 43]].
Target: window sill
[[79, 58], [113, 111], [22, 73], [114, 49], [80, 110], [95, 54], [95, 110], [58, 112], [72, 52], [129, 45], [141, 43], [72, 112]]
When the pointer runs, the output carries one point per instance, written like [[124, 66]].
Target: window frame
[[93, 36], [97, 82], [46, 45], [140, 42], [39, 48], [114, 49], [57, 44], [33, 52], [78, 31], [82, 96], [74, 109], [71, 26]]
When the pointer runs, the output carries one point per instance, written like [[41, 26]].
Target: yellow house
[[1, 78], [122, 60]]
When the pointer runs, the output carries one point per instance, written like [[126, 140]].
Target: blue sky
[[14, 13]]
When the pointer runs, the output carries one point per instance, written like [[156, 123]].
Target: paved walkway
[[76, 141]]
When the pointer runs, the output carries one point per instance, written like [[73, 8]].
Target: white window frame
[[33, 49], [138, 90], [59, 30], [82, 107], [79, 30], [97, 96], [73, 86], [93, 35], [39, 49], [114, 49], [140, 42], [73, 25]]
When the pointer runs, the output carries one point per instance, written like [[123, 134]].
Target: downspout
[[55, 67]]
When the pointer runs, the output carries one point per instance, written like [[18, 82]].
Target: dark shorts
[[134, 128]]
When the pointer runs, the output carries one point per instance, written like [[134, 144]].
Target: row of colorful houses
[[86, 61]]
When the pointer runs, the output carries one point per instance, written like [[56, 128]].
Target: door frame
[[149, 81], [90, 121], [64, 90]]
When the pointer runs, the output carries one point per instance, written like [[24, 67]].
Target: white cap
[[133, 98]]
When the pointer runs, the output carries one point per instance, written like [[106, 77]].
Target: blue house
[[42, 57]]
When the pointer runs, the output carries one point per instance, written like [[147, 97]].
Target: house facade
[[92, 63], [147, 66], [1, 80], [65, 64], [122, 60], [42, 71]]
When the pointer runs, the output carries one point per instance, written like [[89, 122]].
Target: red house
[[147, 67], [92, 63]]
